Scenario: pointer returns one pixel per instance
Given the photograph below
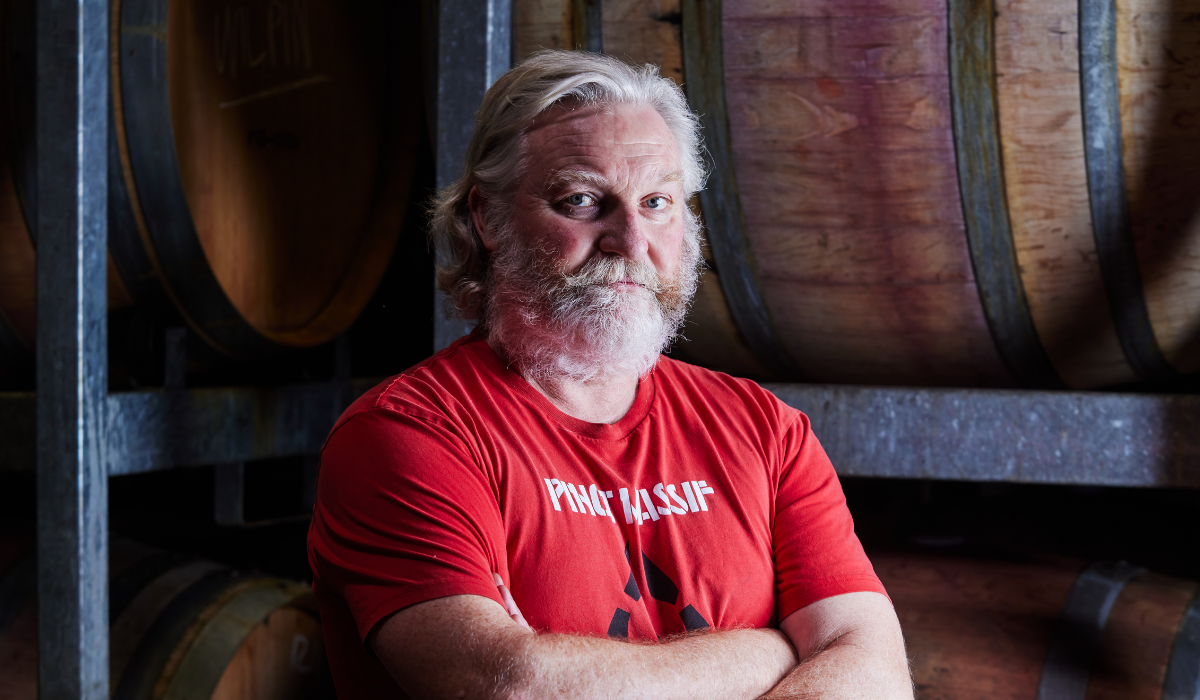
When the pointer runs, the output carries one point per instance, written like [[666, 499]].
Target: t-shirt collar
[[597, 431]]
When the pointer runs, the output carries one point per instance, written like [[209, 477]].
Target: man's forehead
[[596, 143], [565, 177], [632, 128]]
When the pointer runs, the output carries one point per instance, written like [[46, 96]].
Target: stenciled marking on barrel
[[704, 75], [1112, 224], [984, 200]]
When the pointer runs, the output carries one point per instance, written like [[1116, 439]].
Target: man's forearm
[[846, 670], [719, 665], [853, 648], [468, 647]]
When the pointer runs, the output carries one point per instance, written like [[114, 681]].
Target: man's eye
[[579, 200], [656, 202]]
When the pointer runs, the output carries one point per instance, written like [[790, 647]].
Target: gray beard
[[556, 325]]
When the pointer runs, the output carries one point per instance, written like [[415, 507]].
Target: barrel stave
[[1158, 51], [847, 139], [1040, 115], [1138, 639], [645, 32], [974, 629]]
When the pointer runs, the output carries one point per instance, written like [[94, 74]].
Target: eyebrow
[[571, 176]]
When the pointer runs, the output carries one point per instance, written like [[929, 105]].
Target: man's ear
[[478, 206]]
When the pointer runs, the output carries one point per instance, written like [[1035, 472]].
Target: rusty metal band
[[984, 201], [1112, 225], [704, 76], [1183, 668], [1076, 641], [587, 25]]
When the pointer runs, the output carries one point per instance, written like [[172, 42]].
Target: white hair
[[494, 160]]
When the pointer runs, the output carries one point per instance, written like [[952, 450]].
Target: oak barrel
[[180, 628], [971, 193], [262, 155], [997, 630]]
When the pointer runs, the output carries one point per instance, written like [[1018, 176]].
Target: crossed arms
[[466, 646]]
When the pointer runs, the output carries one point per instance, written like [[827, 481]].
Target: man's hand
[[510, 605], [852, 648], [469, 647]]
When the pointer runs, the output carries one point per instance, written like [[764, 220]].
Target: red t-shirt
[[710, 503]]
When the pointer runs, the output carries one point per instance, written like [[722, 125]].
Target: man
[[552, 468]]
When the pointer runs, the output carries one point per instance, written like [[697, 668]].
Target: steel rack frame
[[72, 430]]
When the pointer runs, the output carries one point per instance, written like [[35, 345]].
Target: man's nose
[[624, 234]]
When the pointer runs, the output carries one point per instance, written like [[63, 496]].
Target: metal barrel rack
[[77, 434], [72, 430]]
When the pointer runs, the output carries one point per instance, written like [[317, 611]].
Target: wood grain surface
[[1158, 53], [641, 31], [540, 24], [277, 661], [974, 628], [274, 654], [711, 338], [279, 132], [1037, 66], [1138, 639], [841, 128], [981, 629]]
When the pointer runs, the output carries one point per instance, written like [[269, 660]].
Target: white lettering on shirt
[[593, 500], [682, 508], [598, 504], [662, 494], [628, 511], [585, 506], [553, 497], [560, 488], [649, 505]]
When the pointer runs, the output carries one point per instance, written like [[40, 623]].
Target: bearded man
[[548, 507]]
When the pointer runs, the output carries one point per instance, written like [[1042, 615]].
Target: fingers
[[510, 605]]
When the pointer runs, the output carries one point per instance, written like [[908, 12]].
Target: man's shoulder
[[431, 388], [699, 386]]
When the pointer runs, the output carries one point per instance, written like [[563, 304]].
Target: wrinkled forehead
[[623, 141]]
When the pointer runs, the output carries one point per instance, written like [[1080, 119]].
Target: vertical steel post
[[72, 228], [474, 48]]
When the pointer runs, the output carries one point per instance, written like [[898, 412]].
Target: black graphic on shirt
[[692, 620], [631, 588], [619, 627], [661, 587]]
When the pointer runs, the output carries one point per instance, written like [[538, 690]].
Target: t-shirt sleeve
[[817, 554], [403, 515]]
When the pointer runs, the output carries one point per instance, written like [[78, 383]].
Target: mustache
[[604, 270]]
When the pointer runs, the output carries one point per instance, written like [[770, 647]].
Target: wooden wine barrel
[[1023, 208], [264, 156], [261, 160], [992, 630], [179, 629]]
